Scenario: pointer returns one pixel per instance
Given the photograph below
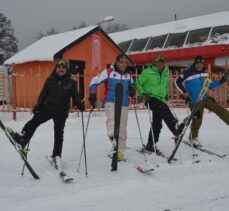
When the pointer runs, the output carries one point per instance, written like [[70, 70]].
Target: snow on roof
[[211, 20], [45, 48]]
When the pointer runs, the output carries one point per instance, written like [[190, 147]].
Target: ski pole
[[140, 133], [81, 154], [84, 145], [194, 154], [172, 110], [151, 128]]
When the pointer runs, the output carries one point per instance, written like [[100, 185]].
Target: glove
[[36, 109], [186, 97], [223, 79], [80, 104], [132, 92], [167, 97], [146, 97], [92, 100]]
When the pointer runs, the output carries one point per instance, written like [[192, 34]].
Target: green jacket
[[152, 83]]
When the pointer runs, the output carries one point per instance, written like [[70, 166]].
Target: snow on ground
[[178, 186]]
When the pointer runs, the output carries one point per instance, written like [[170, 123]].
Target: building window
[[220, 33], [198, 36], [175, 40], [138, 45], [156, 42], [125, 45]]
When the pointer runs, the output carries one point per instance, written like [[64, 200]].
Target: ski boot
[[179, 128], [196, 142], [121, 157], [151, 149], [57, 163], [19, 139]]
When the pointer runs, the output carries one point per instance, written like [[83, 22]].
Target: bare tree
[[115, 27], [49, 32], [83, 24]]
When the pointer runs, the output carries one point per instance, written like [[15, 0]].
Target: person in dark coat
[[53, 103]]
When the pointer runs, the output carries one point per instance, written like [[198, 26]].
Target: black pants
[[43, 116], [160, 112]]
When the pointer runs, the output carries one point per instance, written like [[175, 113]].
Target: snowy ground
[[179, 186]]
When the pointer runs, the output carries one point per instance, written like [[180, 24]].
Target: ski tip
[[144, 170]]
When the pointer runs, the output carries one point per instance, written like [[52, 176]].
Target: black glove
[[80, 104], [185, 96], [132, 92], [92, 100], [36, 109], [223, 79], [167, 97], [146, 97]]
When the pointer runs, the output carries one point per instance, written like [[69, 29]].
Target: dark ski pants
[[160, 112], [42, 117], [213, 106]]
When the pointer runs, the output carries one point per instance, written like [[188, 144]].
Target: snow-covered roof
[[45, 48], [211, 20]]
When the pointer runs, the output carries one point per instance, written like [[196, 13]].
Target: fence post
[[14, 95]]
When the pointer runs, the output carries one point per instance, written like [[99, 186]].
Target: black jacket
[[57, 92]]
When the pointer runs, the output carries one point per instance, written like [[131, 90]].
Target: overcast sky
[[30, 16]]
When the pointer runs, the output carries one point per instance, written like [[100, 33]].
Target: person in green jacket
[[153, 86]]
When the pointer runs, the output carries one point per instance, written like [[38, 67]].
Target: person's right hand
[[186, 96], [146, 97], [36, 109], [92, 100]]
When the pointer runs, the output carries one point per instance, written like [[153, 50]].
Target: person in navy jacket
[[117, 73], [190, 84]]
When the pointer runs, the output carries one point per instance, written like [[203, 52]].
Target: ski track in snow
[[178, 186]]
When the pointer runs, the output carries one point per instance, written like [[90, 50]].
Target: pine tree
[[8, 41]]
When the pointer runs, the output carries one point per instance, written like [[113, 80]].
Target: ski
[[161, 154], [117, 114], [64, 177], [143, 169], [205, 150], [19, 150], [179, 138]]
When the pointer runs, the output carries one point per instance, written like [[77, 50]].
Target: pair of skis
[[202, 149], [117, 116], [179, 138], [19, 150], [9, 134]]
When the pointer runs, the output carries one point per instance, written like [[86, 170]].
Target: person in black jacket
[[53, 103]]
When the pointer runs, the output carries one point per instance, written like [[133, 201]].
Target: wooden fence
[[11, 102]]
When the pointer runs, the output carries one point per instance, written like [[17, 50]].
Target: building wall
[[28, 78]]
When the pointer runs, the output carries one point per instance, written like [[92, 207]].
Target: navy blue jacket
[[192, 82]]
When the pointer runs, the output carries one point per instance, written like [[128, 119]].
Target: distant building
[[179, 41]]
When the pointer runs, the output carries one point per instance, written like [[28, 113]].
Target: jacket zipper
[[58, 96]]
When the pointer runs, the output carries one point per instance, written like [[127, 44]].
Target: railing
[[23, 101]]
